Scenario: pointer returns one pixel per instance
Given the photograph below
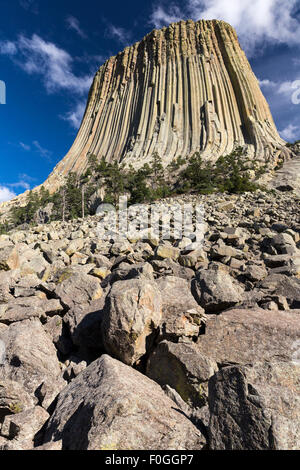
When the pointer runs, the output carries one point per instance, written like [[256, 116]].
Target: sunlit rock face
[[185, 88]]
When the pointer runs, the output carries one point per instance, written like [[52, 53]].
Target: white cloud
[[266, 83], [161, 17], [8, 48], [118, 33], [25, 146], [73, 23], [257, 21], [290, 133], [6, 194], [286, 88], [296, 62], [75, 116], [23, 182], [54, 64], [20, 184], [42, 151]]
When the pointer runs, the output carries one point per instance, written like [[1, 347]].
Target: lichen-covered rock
[[182, 367], [13, 397], [215, 290], [9, 257], [31, 358], [77, 288], [133, 313], [20, 428], [117, 408], [255, 408], [181, 315], [244, 336], [169, 252]]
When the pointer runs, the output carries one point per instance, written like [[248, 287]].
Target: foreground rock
[[31, 360], [117, 408], [254, 399], [248, 336], [20, 429], [133, 314], [255, 408], [184, 369]]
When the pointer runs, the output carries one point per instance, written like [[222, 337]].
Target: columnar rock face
[[185, 88]]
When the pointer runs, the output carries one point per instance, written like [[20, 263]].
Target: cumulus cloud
[[37, 56], [23, 182], [73, 23], [290, 133], [160, 17], [20, 184], [285, 88], [6, 194], [257, 21]]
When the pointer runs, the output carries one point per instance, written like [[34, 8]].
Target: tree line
[[150, 182]]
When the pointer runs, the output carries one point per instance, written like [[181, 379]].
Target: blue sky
[[50, 50]]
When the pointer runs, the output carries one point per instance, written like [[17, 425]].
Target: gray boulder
[[20, 428], [31, 358], [215, 290], [77, 288], [13, 398], [184, 369], [9, 258], [255, 408], [110, 406], [181, 315], [133, 313], [244, 336]]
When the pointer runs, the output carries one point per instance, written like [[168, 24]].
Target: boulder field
[[126, 344]]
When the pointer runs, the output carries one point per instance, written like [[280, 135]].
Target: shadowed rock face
[[185, 88]]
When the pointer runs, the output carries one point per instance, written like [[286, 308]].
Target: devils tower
[[185, 88]]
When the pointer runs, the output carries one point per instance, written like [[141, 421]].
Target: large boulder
[[77, 288], [110, 406], [246, 336], [84, 324], [20, 429], [29, 307], [9, 257], [254, 399], [183, 368], [133, 313], [181, 315], [255, 408], [215, 290], [13, 397], [31, 359]]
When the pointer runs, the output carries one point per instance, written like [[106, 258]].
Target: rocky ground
[[153, 344]]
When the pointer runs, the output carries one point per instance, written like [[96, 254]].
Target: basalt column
[[185, 88]]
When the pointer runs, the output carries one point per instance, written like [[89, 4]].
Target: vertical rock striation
[[185, 88]]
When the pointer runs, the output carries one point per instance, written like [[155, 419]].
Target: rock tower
[[185, 88]]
